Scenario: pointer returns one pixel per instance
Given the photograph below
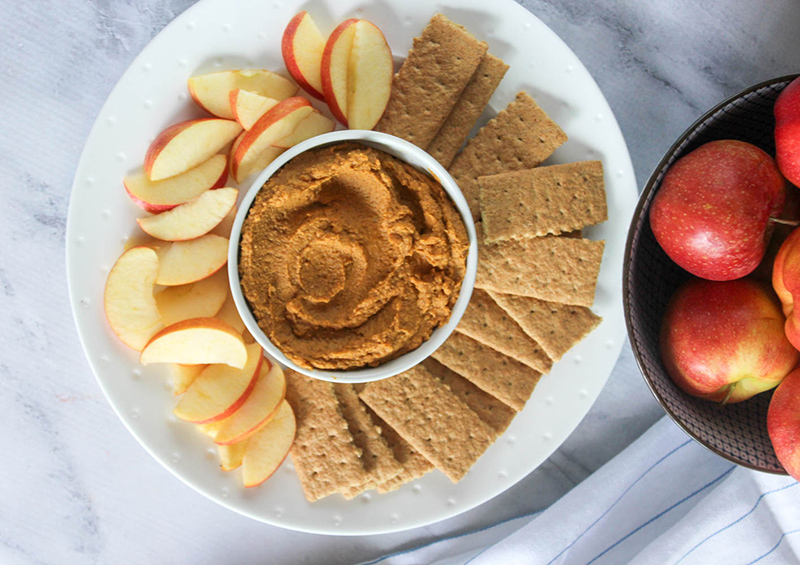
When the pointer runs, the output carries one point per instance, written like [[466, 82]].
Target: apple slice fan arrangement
[[725, 337], [167, 296]]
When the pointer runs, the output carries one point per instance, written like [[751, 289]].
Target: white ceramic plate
[[219, 34]]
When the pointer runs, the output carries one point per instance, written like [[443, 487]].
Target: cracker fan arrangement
[[168, 297]]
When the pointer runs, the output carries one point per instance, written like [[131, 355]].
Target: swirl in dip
[[350, 257]]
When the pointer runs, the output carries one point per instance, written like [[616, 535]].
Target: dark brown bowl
[[737, 432]]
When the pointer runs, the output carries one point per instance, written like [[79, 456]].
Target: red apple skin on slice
[[335, 68], [369, 82], [258, 409], [163, 195], [247, 107], [302, 46], [232, 154], [196, 341], [268, 447], [128, 299], [254, 151], [191, 219], [211, 91], [185, 145], [220, 390], [202, 299], [184, 262], [311, 126]]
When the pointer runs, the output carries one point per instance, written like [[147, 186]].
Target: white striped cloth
[[664, 500]]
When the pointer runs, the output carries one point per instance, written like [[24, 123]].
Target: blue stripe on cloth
[[783, 535], [621, 496], [434, 542], [660, 514], [760, 498]]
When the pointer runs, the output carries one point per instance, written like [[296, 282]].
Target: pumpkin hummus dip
[[350, 257]]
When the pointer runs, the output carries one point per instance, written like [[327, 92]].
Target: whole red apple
[[787, 131], [786, 282], [783, 423], [712, 212], [724, 341]]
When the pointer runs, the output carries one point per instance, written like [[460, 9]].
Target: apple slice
[[194, 342], [369, 81], [212, 91], [186, 145], [181, 376], [191, 219], [255, 151], [258, 409], [220, 390], [202, 299], [268, 447], [302, 46], [335, 68], [311, 126], [128, 299], [163, 195], [232, 153], [230, 456], [184, 262], [141, 240], [248, 337], [255, 162], [247, 107], [210, 428], [225, 227], [230, 315]]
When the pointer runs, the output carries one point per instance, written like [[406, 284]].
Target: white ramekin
[[415, 157]]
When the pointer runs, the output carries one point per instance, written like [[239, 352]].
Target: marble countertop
[[76, 486]]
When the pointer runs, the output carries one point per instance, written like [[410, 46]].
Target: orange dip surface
[[350, 257]]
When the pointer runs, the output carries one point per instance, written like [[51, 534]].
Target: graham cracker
[[556, 269], [425, 413], [414, 464], [439, 66], [416, 467], [323, 453], [489, 409], [542, 201], [455, 129], [556, 327], [486, 322], [522, 136], [505, 378], [376, 457]]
